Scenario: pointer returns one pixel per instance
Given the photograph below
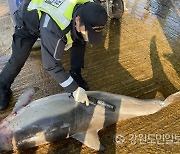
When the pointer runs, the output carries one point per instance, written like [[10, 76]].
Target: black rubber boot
[[76, 75], [5, 96]]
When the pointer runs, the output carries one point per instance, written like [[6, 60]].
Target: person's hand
[[80, 96]]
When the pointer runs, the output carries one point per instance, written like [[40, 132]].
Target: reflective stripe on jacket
[[60, 11]]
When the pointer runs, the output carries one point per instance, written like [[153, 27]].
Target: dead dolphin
[[57, 116]]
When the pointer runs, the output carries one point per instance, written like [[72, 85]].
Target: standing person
[[60, 24]]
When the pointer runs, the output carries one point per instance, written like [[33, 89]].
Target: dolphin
[[33, 123]]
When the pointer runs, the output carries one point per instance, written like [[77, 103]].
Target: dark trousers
[[21, 47], [22, 43], [77, 55]]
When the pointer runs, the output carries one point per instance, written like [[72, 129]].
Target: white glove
[[81, 96]]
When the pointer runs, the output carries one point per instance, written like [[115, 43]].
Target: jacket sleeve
[[52, 47]]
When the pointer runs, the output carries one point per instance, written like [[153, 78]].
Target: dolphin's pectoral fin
[[90, 139], [24, 99]]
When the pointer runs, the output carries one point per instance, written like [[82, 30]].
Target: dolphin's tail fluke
[[172, 98]]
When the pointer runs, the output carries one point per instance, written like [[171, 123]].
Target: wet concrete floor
[[140, 57]]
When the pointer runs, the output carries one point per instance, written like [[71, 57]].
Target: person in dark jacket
[[59, 29]]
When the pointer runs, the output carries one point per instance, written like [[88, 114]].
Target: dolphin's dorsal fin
[[90, 139], [24, 99]]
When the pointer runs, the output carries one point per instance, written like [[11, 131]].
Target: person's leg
[[77, 62], [21, 46], [77, 55]]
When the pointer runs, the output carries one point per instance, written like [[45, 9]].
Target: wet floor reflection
[[167, 13], [167, 10]]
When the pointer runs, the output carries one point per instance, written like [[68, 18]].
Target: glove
[[80, 96]]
